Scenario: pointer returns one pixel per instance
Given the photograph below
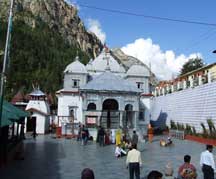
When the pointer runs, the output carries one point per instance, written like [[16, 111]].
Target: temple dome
[[76, 67], [37, 92], [138, 70], [89, 66], [100, 62]]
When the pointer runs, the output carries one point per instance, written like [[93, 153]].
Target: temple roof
[[108, 81], [37, 92], [19, 97]]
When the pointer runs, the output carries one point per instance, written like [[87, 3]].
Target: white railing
[[177, 134]]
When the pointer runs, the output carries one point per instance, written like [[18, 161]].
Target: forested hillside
[[46, 37], [37, 56]]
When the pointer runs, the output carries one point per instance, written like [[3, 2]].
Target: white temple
[[104, 93], [40, 112]]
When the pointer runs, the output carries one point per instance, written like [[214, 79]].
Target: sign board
[[91, 120]]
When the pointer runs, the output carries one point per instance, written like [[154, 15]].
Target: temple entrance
[[31, 124], [110, 114]]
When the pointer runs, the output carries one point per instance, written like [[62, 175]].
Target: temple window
[[139, 85], [75, 83]]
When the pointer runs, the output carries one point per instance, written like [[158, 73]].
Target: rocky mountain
[[59, 16], [46, 36], [127, 61]]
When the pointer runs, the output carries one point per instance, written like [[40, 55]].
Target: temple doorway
[[110, 114]]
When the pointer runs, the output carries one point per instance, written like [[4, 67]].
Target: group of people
[[106, 137], [88, 173], [188, 170], [185, 171], [125, 145], [165, 143], [128, 148]]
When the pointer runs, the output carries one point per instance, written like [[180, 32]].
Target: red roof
[[19, 97], [149, 94]]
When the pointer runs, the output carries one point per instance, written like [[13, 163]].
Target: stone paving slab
[[48, 158]]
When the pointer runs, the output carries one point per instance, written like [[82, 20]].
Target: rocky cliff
[[59, 16], [127, 61]]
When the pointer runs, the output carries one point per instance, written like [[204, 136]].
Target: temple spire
[[107, 57]]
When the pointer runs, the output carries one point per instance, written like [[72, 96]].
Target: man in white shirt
[[207, 163], [134, 162]]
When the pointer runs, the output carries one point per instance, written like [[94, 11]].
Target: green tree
[[37, 56], [192, 64]]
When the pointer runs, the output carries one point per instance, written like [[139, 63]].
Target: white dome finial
[[77, 58]]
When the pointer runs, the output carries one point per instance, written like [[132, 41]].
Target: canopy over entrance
[[11, 113]]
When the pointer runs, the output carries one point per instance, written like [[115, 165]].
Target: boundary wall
[[189, 106]]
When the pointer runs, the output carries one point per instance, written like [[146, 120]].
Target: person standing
[[150, 133], [101, 134], [79, 132], [83, 133], [118, 137], [107, 137], [207, 163], [86, 136], [112, 136], [134, 138], [134, 162], [34, 134]]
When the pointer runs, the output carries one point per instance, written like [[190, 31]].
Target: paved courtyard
[[51, 158]]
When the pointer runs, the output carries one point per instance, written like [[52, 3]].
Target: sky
[[164, 45]]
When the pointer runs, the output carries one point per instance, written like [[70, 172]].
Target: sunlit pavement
[[51, 158]]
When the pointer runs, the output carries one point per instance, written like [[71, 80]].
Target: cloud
[[73, 3], [165, 65], [95, 27]]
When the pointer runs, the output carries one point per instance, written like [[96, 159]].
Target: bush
[[194, 131], [212, 130], [180, 126], [205, 132], [188, 129], [173, 125]]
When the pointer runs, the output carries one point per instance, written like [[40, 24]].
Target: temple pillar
[[121, 118]]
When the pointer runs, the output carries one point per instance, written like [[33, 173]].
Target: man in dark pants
[[134, 138], [34, 134], [207, 163], [101, 134], [134, 162]]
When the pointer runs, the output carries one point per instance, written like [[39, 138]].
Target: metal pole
[[5, 61]]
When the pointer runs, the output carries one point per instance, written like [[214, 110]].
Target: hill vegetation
[[38, 56]]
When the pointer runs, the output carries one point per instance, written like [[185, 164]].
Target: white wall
[[42, 123], [69, 77], [39, 105], [144, 80], [147, 103], [69, 100], [190, 106]]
